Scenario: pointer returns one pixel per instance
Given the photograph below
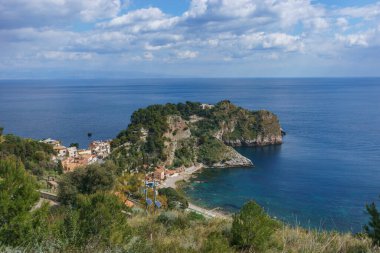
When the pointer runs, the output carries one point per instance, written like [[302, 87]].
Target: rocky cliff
[[190, 133]]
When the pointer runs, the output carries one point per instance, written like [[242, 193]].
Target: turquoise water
[[322, 176]]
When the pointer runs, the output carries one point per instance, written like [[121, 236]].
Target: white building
[[101, 149], [84, 152], [72, 152], [206, 106], [51, 142], [61, 151]]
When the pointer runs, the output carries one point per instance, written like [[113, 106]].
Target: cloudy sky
[[188, 38]]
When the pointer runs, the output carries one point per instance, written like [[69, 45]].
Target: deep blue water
[[322, 176]]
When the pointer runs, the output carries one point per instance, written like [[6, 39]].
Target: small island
[[194, 134]]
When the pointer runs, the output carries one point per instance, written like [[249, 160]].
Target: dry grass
[[188, 236], [178, 233], [300, 240], [286, 239]]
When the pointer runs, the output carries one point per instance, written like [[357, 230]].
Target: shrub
[[87, 180], [173, 220], [252, 227], [193, 216], [174, 199], [99, 216], [216, 243], [373, 227]]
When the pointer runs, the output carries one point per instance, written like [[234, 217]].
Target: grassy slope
[[180, 232]]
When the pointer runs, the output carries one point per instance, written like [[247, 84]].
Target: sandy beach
[[185, 175]]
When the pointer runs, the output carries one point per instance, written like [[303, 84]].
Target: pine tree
[[17, 197], [373, 227]]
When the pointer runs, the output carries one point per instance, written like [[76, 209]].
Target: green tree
[[18, 194], [87, 180], [373, 227], [175, 200], [35, 155], [100, 216], [59, 167], [252, 227], [76, 144]]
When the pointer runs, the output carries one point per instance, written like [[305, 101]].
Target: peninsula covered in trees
[[188, 133]]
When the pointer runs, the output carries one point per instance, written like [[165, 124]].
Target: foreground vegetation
[[96, 220]]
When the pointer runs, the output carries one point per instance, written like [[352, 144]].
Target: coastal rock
[[259, 141], [234, 159]]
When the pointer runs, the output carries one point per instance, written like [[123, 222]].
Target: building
[[72, 152], [101, 149], [84, 152], [206, 106], [89, 159], [61, 151], [51, 142], [72, 163], [171, 173], [159, 173]]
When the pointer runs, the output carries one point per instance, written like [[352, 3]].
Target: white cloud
[[367, 12], [60, 55], [197, 8], [18, 13], [272, 41], [353, 39], [369, 38], [150, 19], [186, 54], [293, 12], [98, 9], [342, 23]]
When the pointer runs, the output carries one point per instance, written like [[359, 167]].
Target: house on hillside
[[101, 149], [206, 106], [61, 151], [72, 152], [159, 173], [72, 163], [84, 152], [51, 142]]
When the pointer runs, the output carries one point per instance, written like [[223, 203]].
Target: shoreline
[[185, 176], [182, 176]]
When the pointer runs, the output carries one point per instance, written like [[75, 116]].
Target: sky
[[188, 38]]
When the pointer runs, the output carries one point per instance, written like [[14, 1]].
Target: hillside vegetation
[[187, 133], [35, 155]]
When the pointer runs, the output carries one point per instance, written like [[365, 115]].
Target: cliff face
[[246, 128], [186, 134]]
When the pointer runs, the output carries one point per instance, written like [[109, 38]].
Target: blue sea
[[322, 176]]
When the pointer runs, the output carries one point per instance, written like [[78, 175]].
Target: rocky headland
[[187, 134]]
